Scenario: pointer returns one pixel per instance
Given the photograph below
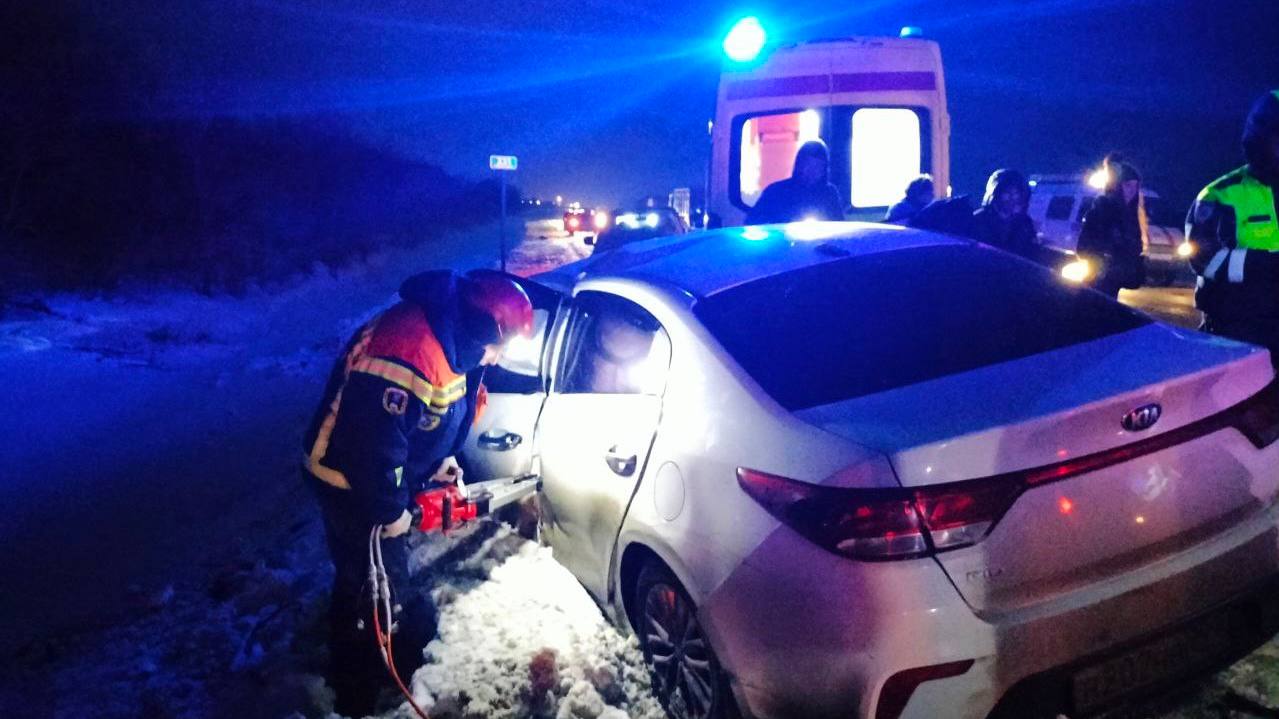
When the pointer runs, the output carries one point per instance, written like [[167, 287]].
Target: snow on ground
[[519, 637]]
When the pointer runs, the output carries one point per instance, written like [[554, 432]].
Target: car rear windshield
[[866, 324]]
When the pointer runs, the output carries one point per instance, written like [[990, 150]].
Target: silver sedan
[[831, 469]]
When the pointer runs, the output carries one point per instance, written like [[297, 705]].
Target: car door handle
[[623, 465], [498, 441]]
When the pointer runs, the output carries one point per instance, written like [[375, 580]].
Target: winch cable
[[381, 594]]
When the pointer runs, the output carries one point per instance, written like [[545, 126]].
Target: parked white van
[[878, 103], [1058, 204]]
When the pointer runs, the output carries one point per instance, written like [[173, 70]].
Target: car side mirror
[[590, 241]]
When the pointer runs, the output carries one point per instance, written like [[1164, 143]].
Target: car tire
[[687, 677]]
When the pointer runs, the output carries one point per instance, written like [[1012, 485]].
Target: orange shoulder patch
[[402, 333]]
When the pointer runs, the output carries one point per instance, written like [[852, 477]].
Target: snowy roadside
[[193, 579]]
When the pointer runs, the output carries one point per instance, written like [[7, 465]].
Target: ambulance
[[879, 103]]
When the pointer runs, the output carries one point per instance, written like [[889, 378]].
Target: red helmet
[[503, 299]]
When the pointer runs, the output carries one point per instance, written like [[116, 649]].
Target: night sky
[[607, 100]]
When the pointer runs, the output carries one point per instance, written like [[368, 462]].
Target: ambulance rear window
[[768, 147], [887, 149]]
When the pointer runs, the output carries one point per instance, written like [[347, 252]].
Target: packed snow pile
[[519, 637]]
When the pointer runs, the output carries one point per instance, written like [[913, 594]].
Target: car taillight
[[1258, 416], [957, 515], [877, 524], [901, 523]]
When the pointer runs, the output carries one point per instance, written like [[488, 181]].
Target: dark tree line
[[89, 199]]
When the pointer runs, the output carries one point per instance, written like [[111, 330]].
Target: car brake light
[[962, 513], [907, 522], [875, 524], [1258, 416]]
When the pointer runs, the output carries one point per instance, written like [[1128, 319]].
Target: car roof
[[703, 263]]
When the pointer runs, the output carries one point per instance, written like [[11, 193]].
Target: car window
[[1085, 205], [1059, 207], [868, 324], [613, 346], [520, 369]]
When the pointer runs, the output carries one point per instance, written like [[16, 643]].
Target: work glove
[[448, 472]]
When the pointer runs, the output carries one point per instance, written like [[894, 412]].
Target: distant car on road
[[582, 219], [645, 224], [838, 469], [1058, 204]]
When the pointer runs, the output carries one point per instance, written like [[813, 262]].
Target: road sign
[[503, 162]]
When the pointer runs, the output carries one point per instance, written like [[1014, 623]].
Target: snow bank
[[520, 637]]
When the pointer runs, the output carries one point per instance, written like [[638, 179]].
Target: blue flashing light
[[754, 233], [912, 31], [745, 41]]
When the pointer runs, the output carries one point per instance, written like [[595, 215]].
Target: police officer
[[1232, 227], [394, 413]]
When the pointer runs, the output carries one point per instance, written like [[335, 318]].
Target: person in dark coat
[[918, 194], [1002, 221], [1113, 232], [394, 415], [806, 195]]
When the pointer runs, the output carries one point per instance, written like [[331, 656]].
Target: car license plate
[[1193, 647]]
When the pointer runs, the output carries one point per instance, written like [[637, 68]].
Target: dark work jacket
[[790, 200], [1015, 235], [1111, 239], [397, 402]]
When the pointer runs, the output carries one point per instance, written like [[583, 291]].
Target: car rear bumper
[[1152, 664], [806, 633]]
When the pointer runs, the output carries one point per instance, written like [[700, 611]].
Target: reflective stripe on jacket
[[392, 409], [1233, 229]]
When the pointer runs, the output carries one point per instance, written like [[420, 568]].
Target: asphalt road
[[1174, 305]]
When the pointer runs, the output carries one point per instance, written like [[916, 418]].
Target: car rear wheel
[[687, 678]]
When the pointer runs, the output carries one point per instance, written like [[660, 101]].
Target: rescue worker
[[806, 195], [394, 414], [1001, 221], [918, 194], [1232, 228], [1114, 229]]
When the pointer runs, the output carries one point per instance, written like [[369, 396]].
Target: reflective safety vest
[[1235, 234], [1247, 206], [393, 408]]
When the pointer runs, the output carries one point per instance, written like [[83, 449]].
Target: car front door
[[597, 427], [501, 442]]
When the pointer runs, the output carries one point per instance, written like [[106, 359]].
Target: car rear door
[[597, 427]]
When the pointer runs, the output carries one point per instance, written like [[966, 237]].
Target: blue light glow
[[754, 233], [744, 42]]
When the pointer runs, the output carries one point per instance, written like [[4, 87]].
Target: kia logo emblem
[[1142, 418]]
